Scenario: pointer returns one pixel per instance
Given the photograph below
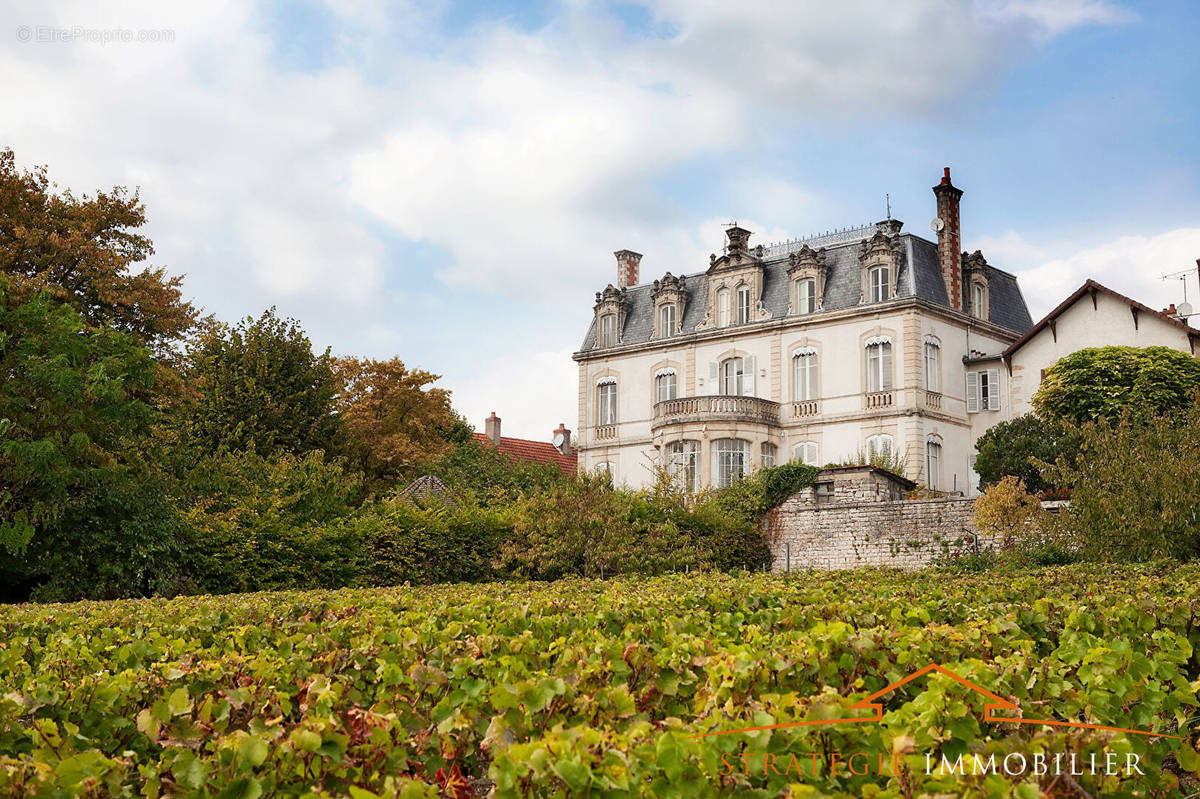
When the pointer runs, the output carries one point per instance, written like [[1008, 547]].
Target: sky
[[446, 182]]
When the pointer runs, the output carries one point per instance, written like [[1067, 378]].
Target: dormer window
[[877, 279], [879, 259], [807, 271], [608, 330], [806, 296], [743, 304], [723, 307], [979, 300], [666, 321]]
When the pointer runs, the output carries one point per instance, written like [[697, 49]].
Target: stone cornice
[[813, 320]]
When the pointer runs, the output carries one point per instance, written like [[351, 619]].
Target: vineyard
[[593, 688]]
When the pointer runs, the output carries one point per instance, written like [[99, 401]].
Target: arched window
[[729, 460], [683, 464], [879, 448], [723, 308], [933, 364], [933, 464], [806, 295], [743, 304], [733, 376], [879, 364], [608, 330], [664, 385], [666, 320], [606, 402], [804, 375], [768, 454], [806, 453], [979, 300], [878, 279]]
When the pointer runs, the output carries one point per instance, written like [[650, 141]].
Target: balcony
[[933, 400], [715, 408], [606, 432], [878, 399], [804, 409]]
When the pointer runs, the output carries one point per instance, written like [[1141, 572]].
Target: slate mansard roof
[[919, 276]]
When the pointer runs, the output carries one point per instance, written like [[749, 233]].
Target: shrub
[[1135, 489], [1101, 382], [1021, 447], [889, 461], [1009, 515], [426, 543]]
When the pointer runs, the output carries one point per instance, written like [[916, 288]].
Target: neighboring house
[[559, 453], [1093, 316], [864, 340]]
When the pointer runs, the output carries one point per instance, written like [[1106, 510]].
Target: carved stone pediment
[[613, 301], [880, 250], [669, 290]]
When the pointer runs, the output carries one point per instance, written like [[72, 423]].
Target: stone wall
[[859, 517]]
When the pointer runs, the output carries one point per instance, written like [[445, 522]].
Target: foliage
[[1101, 382], [269, 523], [1020, 447], [752, 496], [80, 251], [427, 543], [1009, 515], [392, 420], [1135, 489], [483, 473], [81, 512], [583, 687], [889, 461], [586, 527], [262, 388]]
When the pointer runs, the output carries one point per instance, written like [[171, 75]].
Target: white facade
[[1093, 316]]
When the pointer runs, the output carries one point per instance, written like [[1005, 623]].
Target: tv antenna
[[887, 198], [1184, 308]]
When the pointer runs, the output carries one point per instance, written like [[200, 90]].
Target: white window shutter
[[993, 389], [713, 380], [748, 377], [972, 392]]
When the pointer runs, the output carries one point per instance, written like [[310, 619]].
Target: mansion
[[865, 342]]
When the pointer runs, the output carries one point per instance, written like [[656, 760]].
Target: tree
[[1135, 488], [1018, 448], [392, 419], [261, 387], [1101, 382], [82, 251], [1009, 515], [78, 504]]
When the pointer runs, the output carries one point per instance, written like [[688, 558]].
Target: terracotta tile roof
[[536, 451]]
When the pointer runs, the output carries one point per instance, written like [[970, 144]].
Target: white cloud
[[520, 386], [1131, 265], [528, 157]]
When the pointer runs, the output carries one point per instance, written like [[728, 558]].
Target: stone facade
[[859, 516]]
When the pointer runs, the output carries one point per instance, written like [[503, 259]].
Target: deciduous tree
[[1101, 382]]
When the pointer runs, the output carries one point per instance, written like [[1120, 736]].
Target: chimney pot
[[628, 270], [491, 428], [565, 446], [950, 239]]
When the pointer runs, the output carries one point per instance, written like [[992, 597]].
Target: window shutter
[[748, 377], [993, 389], [972, 392], [713, 380]]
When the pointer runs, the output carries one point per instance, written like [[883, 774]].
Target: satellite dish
[[937, 224], [1184, 309], [559, 438]]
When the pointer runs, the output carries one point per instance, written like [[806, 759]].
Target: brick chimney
[[563, 445], [491, 428], [627, 268], [950, 239]]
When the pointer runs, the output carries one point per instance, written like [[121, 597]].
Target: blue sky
[[446, 182]]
